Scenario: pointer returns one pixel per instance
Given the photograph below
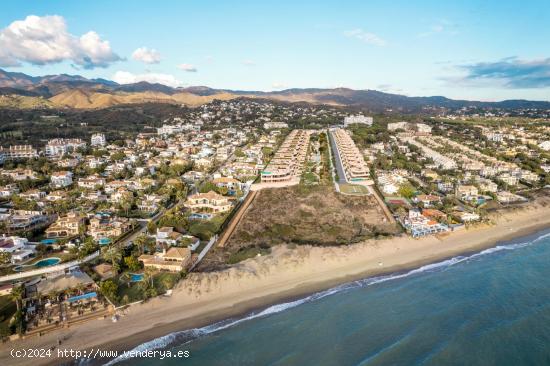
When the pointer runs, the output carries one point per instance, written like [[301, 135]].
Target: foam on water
[[185, 336]]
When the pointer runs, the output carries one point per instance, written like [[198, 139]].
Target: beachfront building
[[67, 226], [417, 224], [354, 165], [208, 202], [287, 164], [175, 259]]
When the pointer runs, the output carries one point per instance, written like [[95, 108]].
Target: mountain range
[[19, 90]]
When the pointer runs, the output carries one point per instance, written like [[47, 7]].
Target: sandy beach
[[203, 298]]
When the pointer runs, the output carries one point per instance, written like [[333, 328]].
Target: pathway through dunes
[[236, 219]]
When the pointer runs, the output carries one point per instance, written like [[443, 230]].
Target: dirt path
[[236, 219]]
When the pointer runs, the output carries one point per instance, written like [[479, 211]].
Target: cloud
[[45, 40], [279, 85], [187, 67], [365, 37], [124, 77], [146, 55], [249, 63], [443, 26], [510, 73]]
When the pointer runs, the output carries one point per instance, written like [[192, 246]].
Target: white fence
[[212, 241], [49, 269]]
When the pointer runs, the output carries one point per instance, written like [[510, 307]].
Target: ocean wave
[[185, 336]]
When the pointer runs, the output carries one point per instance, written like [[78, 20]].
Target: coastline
[[286, 274]]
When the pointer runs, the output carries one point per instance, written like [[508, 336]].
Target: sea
[[485, 308]]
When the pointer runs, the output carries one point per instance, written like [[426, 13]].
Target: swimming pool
[[104, 241], [40, 264], [136, 277], [47, 262]]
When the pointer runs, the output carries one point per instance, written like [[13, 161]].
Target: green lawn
[[354, 189]]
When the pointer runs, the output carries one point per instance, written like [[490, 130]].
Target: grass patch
[[245, 253], [354, 189]]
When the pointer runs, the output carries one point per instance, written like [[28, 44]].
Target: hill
[[74, 91]]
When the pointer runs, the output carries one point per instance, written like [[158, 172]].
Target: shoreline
[[243, 309], [286, 275]]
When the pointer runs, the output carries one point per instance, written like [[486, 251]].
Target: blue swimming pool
[[47, 262], [104, 241], [136, 277]]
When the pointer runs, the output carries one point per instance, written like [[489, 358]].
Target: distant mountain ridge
[[75, 91]]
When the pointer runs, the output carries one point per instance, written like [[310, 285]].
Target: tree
[[151, 227], [113, 255], [109, 289], [5, 257], [406, 190], [88, 246], [17, 295], [144, 242], [132, 263]]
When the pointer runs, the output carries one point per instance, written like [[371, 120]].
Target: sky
[[467, 49]]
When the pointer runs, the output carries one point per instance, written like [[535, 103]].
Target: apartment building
[[271, 125], [18, 152], [365, 120], [287, 164], [98, 139], [351, 158], [440, 160], [60, 147]]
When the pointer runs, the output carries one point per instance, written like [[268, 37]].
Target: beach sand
[[203, 298]]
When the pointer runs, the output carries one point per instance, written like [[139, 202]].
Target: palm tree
[[17, 295], [114, 256]]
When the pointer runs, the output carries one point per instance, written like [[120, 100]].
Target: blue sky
[[486, 50]]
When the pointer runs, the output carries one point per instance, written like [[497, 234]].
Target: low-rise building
[[174, 259], [61, 179], [208, 202], [73, 224]]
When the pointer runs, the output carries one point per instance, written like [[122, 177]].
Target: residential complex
[[355, 168], [287, 163]]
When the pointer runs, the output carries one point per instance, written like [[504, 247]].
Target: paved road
[[339, 167]]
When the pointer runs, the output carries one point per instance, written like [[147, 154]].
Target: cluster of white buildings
[[60, 147], [360, 119]]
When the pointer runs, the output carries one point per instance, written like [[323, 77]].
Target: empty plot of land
[[313, 215]]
